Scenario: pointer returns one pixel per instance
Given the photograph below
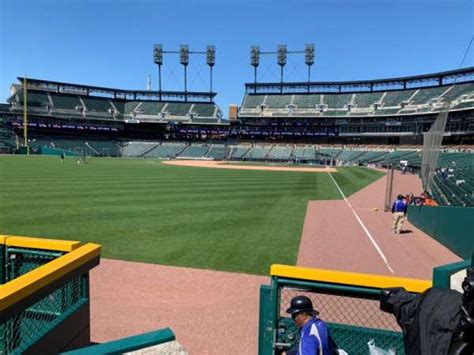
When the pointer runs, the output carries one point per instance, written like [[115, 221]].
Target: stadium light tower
[[184, 60], [211, 61], [158, 59], [281, 59], [309, 59], [255, 61]]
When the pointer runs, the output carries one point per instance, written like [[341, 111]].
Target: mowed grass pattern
[[142, 210]]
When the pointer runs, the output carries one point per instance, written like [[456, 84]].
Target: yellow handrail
[[349, 278]]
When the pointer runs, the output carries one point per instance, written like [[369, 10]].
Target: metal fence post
[[266, 324]]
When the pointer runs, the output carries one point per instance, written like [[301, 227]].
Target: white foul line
[[363, 226]]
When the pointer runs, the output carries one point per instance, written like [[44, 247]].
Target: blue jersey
[[314, 338], [399, 206]]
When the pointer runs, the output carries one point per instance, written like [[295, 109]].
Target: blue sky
[[109, 43]]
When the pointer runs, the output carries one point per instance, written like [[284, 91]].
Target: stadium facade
[[385, 111]]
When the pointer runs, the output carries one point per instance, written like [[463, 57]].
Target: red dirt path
[[210, 312], [332, 238]]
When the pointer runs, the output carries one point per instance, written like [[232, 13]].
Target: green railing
[[44, 294], [146, 342], [442, 274], [19, 261], [349, 303]]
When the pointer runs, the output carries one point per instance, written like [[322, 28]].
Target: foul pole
[[25, 116]]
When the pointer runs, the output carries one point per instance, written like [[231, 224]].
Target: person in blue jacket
[[314, 333], [399, 211]]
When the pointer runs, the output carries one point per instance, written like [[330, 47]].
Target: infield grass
[[142, 210]]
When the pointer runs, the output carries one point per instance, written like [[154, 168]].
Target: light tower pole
[[184, 60], [158, 59]]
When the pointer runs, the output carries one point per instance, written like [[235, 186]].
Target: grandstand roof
[[80, 89], [400, 83]]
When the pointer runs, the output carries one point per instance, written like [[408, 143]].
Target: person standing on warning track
[[399, 210]]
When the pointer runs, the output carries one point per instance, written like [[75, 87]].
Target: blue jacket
[[399, 206], [314, 338]]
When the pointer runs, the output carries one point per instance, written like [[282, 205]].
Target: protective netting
[[432, 141], [353, 321]]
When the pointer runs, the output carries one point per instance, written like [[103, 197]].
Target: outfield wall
[[451, 226]]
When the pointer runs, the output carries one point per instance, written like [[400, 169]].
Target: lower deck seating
[[195, 151]]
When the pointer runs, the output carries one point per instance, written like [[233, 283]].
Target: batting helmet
[[301, 304]]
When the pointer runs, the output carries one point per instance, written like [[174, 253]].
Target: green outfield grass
[[142, 210]]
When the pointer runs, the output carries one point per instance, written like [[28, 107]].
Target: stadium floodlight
[[255, 56], [184, 54], [211, 55], [282, 54], [158, 54], [309, 59], [309, 54]]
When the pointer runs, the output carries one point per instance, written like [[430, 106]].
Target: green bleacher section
[[278, 101], [148, 107], [195, 151], [458, 90], [395, 98], [464, 105], [238, 152], [453, 184], [280, 153], [165, 151], [204, 110], [337, 100], [304, 153], [349, 156], [137, 149], [129, 106], [258, 152], [423, 96], [307, 101], [330, 153], [366, 100], [335, 104], [103, 148], [253, 101], [65, 102], [371, 156], [218, 152], [35, 99], [96, 104], [178, 108], [5, 141]]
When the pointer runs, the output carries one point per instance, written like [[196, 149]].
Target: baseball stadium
[[141, 221]]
